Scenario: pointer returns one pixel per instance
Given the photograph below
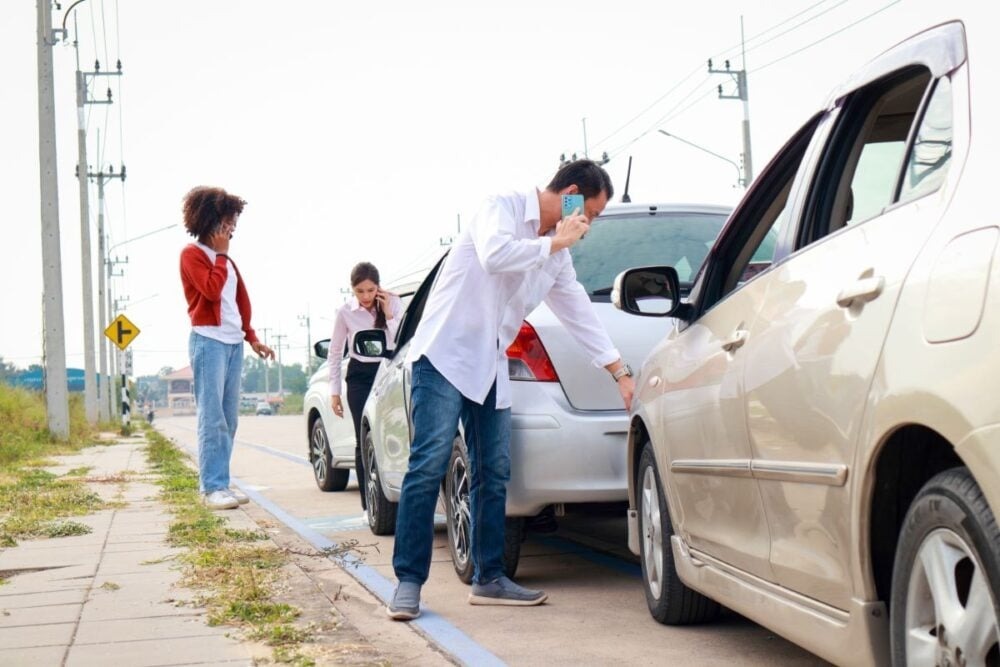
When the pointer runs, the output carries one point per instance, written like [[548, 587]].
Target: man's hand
[[337, 405], [626, 387], [263, 351], [569, 230]]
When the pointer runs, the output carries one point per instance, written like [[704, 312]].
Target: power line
[[700, 67], [832, 34], [736, 49]]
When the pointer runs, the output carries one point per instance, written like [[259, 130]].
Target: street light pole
[[739, 173]]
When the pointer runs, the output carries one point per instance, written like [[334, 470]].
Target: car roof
[[664, 207]]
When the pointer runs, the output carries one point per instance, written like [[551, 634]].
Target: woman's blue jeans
[[437, 409], [217, 368]]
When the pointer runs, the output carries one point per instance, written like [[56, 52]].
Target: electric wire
[[828, 36], [721, 54]]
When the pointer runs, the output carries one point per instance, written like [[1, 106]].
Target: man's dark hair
[[205, 208], [588, 176]]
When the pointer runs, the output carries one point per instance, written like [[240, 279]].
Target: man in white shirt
[[513, 255]]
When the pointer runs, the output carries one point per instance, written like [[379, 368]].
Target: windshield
[[618, 242]]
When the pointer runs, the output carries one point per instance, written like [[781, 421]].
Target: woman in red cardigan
[[219, 308]]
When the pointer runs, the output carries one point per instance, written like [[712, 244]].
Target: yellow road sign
[[121, 332]]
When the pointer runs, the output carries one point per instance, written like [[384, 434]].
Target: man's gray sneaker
[[405, 605], [503, 591]]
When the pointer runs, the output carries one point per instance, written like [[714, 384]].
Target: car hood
[[588, 387]]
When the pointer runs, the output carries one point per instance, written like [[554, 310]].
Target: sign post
[[122, 332]]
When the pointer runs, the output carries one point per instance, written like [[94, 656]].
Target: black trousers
[[360, 377]]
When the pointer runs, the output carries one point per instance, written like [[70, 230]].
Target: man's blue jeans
[[217, 371], [437, 408]]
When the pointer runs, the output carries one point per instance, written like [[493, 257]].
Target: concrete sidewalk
[[109, 597]]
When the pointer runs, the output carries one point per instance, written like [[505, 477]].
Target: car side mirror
[[322, 348], [371, 343], [651, 291]]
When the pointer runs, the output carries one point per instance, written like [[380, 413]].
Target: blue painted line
[[449, 638]]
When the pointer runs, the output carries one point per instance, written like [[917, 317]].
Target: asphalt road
[[596, 613]]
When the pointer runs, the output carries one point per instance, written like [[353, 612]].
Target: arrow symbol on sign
[[122, 332]]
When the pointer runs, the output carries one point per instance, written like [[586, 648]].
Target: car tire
[[457, 504], [670, 601], [947, 558], [327, 477], [381, 511]]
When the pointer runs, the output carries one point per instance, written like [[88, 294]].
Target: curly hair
[[205, 208]]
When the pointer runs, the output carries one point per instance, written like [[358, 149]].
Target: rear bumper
[[562, 455]]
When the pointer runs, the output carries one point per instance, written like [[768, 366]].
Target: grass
[[236, 573], [34, 502]]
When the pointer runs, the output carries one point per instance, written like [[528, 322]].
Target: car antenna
[[628, 175]]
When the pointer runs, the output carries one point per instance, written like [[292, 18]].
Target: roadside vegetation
[[34, 502], [237, 573]]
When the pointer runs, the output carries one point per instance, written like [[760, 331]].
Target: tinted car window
[[618, 242], [931, 152]]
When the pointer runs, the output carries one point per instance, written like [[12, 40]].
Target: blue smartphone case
[[571, 203]]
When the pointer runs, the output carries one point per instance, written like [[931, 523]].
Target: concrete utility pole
[[95, 401], [105, 273], [53, 337], [740, 77], [304, 321], [279, 345], [267, 380]]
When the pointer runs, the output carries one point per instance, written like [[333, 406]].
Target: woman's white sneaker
[[221, 500], [241, 497]]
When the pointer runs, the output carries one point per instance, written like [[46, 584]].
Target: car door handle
[[735, 341], [861, 291]]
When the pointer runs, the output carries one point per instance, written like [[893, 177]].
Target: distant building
[[180, 391]]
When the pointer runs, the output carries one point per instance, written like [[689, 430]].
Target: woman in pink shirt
[[371, 307]]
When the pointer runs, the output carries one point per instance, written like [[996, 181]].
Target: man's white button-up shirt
[[499, 269]]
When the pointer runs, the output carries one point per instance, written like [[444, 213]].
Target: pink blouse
[[352, 318]]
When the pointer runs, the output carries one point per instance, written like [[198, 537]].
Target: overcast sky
[[361, 131]]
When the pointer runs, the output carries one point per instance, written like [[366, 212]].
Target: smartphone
[[572, 204]]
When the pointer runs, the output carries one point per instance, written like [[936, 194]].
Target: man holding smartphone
[[512, 256]]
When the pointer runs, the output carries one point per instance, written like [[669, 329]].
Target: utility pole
[[740, 77], [304, 321], [95, 406], [53, 336], [105, 273], [267, 380], [585, 152], [279, 345]]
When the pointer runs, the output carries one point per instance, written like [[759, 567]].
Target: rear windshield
[[618, 242]]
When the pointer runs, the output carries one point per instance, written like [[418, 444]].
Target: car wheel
[[327, 477], [457, 505], [944, 583], [670, 601], [381, 511]]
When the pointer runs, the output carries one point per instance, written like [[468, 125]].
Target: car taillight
[[527, 358]]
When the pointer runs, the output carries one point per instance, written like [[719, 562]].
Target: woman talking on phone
[[371, 307], [219, 308]]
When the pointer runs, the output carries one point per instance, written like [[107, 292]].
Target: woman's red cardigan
[[203, 283]]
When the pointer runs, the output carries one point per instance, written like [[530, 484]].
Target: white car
[[568, 439], [330, 438]]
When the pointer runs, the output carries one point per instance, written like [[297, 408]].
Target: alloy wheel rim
[[652, 535], [319, 449], [459, 513], [950, 613], [371, 478]]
